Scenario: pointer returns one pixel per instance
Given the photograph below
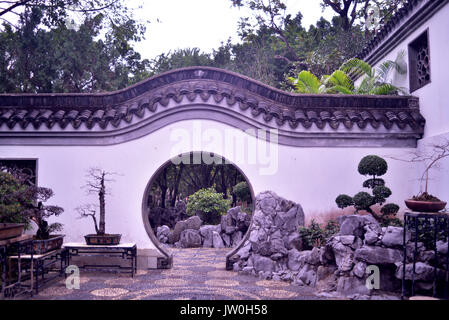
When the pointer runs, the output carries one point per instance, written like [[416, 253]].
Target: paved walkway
[[198, 274]]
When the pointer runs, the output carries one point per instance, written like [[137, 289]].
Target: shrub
[[373, 166], [242, 191], [315, 236], [208, 205]]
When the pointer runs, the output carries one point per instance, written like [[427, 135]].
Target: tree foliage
[[178, 181], [66, 60], [208, 205], [21, 202]]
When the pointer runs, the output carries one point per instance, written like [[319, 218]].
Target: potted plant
[[45, 240], [12, 203], [424, 201], [96, 184], [18, 208]]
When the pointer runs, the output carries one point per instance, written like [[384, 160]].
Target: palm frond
[[339, 89], [339, 78], [384, 89], [357, 67], [307, 82]]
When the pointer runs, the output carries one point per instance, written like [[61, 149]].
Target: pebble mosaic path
[[197, 274]]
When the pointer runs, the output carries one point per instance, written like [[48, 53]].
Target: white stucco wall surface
[[313, 177]]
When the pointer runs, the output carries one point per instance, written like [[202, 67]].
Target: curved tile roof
[[227, 92], [403, 23]]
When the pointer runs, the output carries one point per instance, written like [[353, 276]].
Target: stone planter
[[10, 230], [52, 243], [425, 206], [106, 239]]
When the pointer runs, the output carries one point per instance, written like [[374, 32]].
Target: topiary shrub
[[373, 166], [208, 205], [242, 191]]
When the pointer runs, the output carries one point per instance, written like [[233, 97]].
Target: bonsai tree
[[431, 159], [208, 205], [242, 192], [13, 199], [374, 167], [96, 184], [18, 201]]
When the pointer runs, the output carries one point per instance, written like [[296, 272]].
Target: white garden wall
[[312, 177]]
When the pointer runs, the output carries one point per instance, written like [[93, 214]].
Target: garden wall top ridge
[[220, 94]]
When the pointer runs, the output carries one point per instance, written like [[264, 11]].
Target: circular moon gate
[[166, 261]]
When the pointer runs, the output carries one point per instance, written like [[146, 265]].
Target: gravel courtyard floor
[[198, 274]]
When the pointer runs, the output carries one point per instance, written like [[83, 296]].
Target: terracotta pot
[[52, 243], [425, 206], [11, 230], [106, 239]]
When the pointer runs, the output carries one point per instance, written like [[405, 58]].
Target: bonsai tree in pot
[[96, 184], [375, 167], [18, 198], [431, 158]]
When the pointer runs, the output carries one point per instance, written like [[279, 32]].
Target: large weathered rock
[[352, 285], [273, 233], [307, 275], [162, 234], [423, 271], [176, 233], [393, 237], [217, 241], [193, 223], [236, 238], [378, 255], [190, 238], [442, 247], [261, 263], [344, 255], [296, 259], [360, 269], [206, 233]]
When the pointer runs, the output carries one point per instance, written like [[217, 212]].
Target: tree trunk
[[101, 194], [176, 186], [164, 188], [223, 182]]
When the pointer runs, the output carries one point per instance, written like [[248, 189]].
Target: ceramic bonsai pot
[[10, 230], [106, 239], [425, 206], [52, 243]]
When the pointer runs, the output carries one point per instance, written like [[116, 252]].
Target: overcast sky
[[203, 23]]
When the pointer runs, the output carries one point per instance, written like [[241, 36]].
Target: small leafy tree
[[242, 191], [374, 167], [208, 205], [96, 184]]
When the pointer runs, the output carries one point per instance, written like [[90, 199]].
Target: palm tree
[[374, 82], [307, 82]]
